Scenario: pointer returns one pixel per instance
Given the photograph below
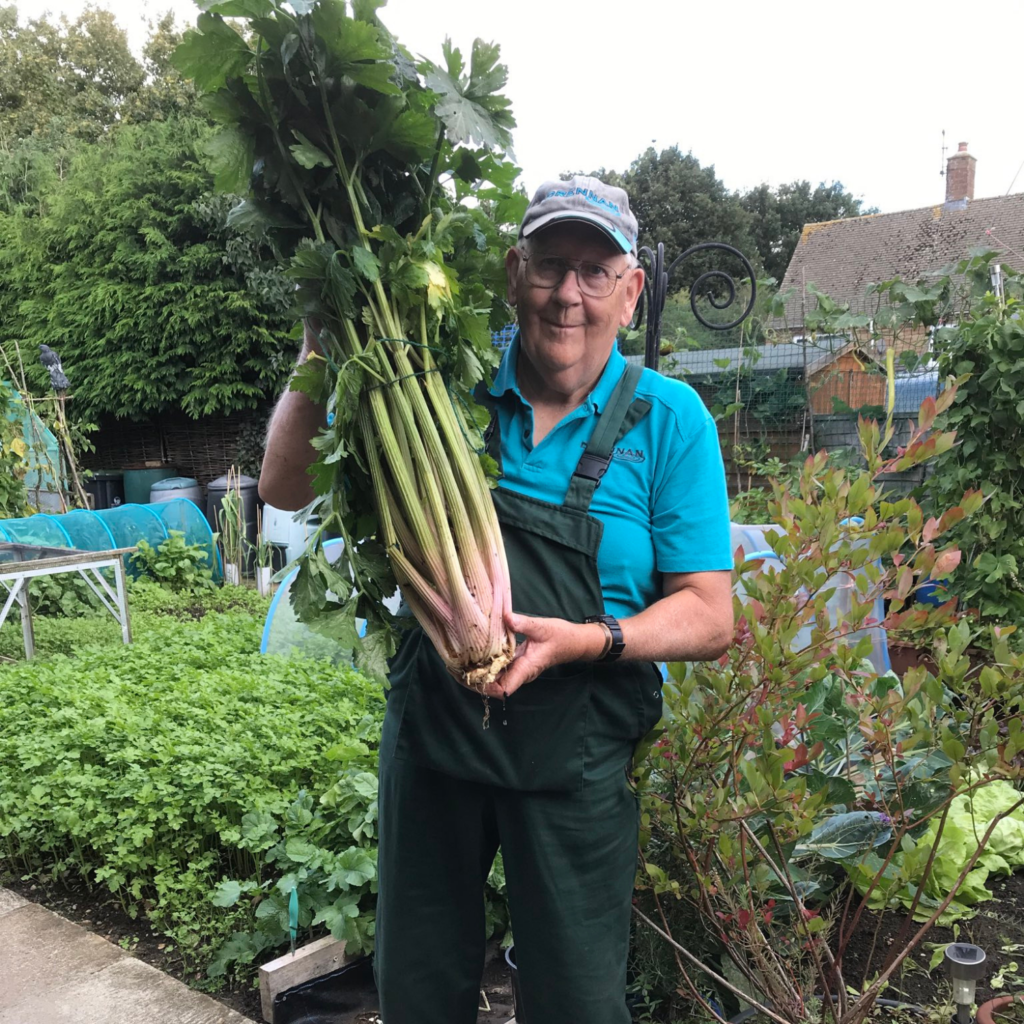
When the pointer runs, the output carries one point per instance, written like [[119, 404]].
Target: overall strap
[[620, 416], [492, 432]]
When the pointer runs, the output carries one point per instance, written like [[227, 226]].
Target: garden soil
[[100, 912], [997, 926]]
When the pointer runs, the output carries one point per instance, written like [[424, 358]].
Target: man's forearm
[[683, 626], [284, 482]]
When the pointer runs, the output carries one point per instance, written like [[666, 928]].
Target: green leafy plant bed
[[997, 926], [196, 780]]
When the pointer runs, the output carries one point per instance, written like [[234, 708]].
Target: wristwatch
[[618, 645]]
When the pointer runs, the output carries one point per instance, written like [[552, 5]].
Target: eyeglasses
[[595, 279]]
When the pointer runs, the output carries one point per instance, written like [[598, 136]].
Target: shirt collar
[[505, 379]]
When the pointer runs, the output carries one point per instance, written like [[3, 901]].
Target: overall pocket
[[534, 741]]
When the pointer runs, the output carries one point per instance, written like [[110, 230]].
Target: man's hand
[[548, 642]]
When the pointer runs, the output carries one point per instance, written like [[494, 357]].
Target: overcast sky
[[857, 92]]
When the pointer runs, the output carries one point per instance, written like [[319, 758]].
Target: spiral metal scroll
[[656, 291]]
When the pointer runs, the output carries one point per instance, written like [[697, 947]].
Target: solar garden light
[[995, 272], [966, 966]]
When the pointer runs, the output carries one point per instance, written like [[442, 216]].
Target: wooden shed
[[849, 379]]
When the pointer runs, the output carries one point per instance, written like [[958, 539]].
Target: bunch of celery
[[357, 163]]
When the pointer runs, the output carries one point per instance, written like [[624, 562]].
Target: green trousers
[[546, 782], [570, 860]]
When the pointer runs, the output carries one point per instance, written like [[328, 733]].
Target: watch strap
[[618, 644]]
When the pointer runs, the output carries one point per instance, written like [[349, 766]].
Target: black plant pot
[[323, 1000]]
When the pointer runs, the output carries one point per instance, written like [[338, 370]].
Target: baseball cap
[[584, 199]]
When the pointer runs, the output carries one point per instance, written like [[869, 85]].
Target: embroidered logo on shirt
[[625, 454]]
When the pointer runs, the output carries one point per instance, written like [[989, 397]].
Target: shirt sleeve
[[690, 514]]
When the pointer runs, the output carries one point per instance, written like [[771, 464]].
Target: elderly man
[[615, 521]]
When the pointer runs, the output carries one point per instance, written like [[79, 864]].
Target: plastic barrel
[[215, 491], [107, 489], [139, 480], [176, 487]]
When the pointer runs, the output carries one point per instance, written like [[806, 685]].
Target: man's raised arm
[[284, 482]]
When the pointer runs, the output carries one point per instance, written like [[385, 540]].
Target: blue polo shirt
[[663, 501]]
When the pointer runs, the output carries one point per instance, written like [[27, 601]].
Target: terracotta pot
[[904, 656], [993, 1006]]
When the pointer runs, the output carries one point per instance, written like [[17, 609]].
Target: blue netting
[[503, 338], [43, 531], [131, 523], [120, 527], [184, 515], [87, 531], [912, 390]]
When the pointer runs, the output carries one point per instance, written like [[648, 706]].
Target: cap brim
[[558, 216]]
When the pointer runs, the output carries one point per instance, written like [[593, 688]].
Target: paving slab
[[125, 992], [55, 972], [10, 901], [39, 948]]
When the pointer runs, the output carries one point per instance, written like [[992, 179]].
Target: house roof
[[842, 257], [713, 362]]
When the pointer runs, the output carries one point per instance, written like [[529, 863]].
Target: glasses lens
[[595, 279], [546, 271]]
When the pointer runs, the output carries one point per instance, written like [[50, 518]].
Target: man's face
[[562, 328]]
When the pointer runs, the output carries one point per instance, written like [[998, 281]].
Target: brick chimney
[[960, 175]]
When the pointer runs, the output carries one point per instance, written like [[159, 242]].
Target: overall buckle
[[592, 467]]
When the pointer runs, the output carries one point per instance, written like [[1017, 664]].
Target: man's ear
[[633, 284], [513, 260]]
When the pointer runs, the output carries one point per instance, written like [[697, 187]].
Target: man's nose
[[568, 291]]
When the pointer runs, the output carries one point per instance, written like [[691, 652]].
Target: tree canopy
[[778, 217], [80, 73], [681, 203], [113, 248], [129, 272]]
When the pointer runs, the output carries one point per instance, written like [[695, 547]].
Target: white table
[[15, 576]]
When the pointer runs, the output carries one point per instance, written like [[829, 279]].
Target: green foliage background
[[113, 248], [681, 202], [988, 416], [197, 780], [13, 496], [126, 272]]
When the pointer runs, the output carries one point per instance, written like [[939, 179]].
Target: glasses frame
[[574, 267]]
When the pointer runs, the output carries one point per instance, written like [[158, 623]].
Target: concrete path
[[55, 972]]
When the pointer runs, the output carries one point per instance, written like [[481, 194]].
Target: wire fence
[[778, 400]]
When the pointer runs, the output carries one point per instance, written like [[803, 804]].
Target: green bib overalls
[[546, 781]]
